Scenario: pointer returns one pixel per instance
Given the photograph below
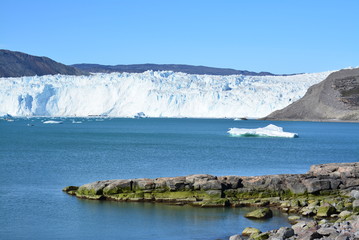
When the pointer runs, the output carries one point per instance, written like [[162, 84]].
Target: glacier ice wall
[[156, 94]]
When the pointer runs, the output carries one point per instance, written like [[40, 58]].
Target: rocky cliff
[[335, 98], [18, 64]]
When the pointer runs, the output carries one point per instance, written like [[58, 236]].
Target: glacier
[[153, 94]]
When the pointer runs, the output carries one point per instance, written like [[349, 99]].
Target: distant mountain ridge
[[190, 69], [335, 98], [18, 64]]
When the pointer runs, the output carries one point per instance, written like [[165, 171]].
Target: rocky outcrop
[[207, 190], [326, 191], [18, 64], [311, 229], [335, 98]]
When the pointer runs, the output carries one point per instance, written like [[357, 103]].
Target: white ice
[[52, 122], [155, 94], [268, 131]]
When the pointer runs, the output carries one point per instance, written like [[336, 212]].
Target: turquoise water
[[38, 161]]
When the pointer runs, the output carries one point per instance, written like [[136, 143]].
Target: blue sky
[[276, 36]]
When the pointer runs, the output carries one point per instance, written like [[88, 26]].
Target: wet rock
[[260, 213], [250, 230]]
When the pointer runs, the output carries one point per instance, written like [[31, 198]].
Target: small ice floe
[[268, 131], [76, 122], [52, 122]]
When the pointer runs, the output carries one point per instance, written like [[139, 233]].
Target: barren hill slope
[[335, 98]]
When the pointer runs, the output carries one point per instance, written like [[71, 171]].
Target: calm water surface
[[36, 162]]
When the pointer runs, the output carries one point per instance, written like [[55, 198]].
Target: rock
[[345, 214], [343, 236], [325, 211], [231, 182], [118, 186], [235, 237], [313, 185], [70, 188], [285, 232], [296, 186], [260, 213], [250, 230], [143, 184], [260, 236], [315, 235], [94, 188], [328, 231], [204, 184], [293, 218], [356, 206], [355, 194], [356, 235]]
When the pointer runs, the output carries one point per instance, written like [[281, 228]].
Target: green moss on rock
[[260, 213]]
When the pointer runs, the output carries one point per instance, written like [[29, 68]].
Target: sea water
[[37, 160]]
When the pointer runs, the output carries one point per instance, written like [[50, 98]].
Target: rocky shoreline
[[328, 193]]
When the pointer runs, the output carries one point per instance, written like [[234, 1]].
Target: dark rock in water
[[260, 213], [18, 64], [335, 98]]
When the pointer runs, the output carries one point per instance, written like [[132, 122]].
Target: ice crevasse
[[155, 94]]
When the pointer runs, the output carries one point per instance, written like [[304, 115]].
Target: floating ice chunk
[[52, 122], [268, 131]]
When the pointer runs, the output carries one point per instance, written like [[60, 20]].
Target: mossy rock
[[90, 197], [325, 211], [70, 188], [293, 218], [215, 203], [259, 236], [260, 213], [250, 230]]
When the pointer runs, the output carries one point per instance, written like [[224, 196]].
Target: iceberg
[[268, 131], [52, 122]]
